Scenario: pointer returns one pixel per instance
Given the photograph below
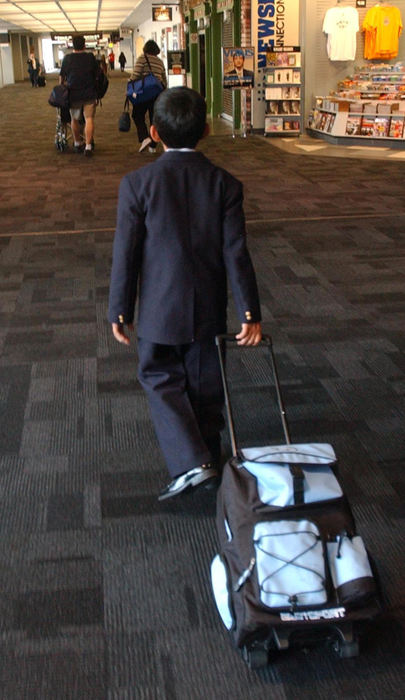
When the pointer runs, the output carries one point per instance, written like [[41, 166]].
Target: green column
[[208, 69], [236, 42], [194, 67], [216, 40]]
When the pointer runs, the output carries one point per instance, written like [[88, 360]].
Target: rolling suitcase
[[291, 569]]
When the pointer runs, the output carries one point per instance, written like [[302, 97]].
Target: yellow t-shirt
[[383, 25], [369, 36]]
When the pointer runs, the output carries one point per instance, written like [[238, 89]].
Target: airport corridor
[[105, 592]]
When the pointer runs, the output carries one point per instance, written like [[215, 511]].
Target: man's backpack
[[59, 97], [101, 83]]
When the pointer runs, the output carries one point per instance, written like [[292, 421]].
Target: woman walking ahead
[[148, 62]]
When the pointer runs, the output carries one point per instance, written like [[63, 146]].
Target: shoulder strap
[[147, 61]]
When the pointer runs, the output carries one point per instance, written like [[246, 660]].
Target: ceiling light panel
[[14, 16], [124, 5], [112, 13], [9, 10], [34, 7], [89, 5], [83, 15]]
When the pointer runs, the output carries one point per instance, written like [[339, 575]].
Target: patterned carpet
[[104, 592]]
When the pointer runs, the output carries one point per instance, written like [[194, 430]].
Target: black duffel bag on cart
[[291, 567]]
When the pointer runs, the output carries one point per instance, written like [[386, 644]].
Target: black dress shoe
[[192, 478]]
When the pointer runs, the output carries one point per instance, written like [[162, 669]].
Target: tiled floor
[[310, 145]]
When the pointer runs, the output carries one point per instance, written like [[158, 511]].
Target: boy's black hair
[[179, 115], [79, 43], [151, 48]]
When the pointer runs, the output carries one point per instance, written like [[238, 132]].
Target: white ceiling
[[66, 16]]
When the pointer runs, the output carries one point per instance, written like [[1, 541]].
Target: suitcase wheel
[[256, 657], [347, 650]]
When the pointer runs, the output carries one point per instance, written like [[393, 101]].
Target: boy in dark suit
[[180, 234]]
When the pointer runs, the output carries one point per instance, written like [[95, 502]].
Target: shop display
[[283, 91], [341, 24], [370, 104]]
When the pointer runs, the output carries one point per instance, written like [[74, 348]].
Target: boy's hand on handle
[[250, 334], [118, 332]]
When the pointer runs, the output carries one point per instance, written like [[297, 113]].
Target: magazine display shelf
[[368, 109], [283, 92]]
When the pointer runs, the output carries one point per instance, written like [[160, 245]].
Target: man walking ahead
[[79, 70]]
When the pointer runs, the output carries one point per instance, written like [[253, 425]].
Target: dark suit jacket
[[180, 233], [245, 73]]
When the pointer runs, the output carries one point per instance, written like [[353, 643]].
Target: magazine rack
[[367, 107], [283, 91]]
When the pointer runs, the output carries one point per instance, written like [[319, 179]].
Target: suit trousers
[[184, 390]]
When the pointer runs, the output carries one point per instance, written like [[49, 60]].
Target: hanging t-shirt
[[383, 26], [341, 24], [369, 33]]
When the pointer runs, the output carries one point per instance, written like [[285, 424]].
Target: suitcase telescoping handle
[[221, 341]]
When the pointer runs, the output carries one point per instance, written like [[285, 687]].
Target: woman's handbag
[[59, 97], [124, 122], [145, 89]]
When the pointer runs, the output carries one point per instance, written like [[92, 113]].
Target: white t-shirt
[[341, 25]]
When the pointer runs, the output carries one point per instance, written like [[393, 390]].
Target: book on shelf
[[317, 119], [291, 125], [381, 126], [369, 108], [322, 122], [295, 107], [280, 57], [383, 108], [329, 122], [367, 126], [353, 124], [286, 93], [286, 59], [283, 75], [273, 124], [296, 76], [273, 106], [396, 128], [274, 93], [356, 107], [284, 107]]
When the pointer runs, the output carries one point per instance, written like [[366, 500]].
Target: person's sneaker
[[152, 150], [88, 152], [78, 149], [145, 143]]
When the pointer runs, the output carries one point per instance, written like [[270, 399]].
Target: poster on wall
[[176, 62], [238, 67]]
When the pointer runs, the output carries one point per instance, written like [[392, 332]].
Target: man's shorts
[[89, 110]]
